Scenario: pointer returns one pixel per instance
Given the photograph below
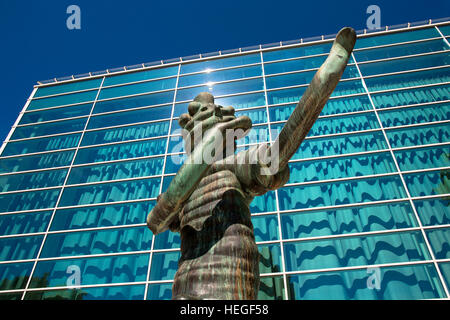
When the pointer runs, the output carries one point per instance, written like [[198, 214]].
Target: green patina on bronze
[[208, 203]]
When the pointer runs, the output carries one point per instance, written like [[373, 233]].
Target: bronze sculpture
[[208, 201]]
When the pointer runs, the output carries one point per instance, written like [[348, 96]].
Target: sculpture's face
[[203, 115]]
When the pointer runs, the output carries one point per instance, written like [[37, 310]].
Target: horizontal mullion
[[50, 121], [47, 136], [34, 170], [64, 93]]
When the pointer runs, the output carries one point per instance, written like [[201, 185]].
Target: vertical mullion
[[443, 38], [162, 178], [61, 192], [283, 267], [430, 250]]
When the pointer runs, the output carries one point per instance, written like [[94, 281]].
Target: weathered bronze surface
[[208, 202]]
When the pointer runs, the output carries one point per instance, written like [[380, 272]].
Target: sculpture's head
[[203, 115]]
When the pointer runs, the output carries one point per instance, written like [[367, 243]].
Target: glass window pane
[[221, 89], [423, 158], [400, 50], [141, 131], [113, 269], [264, 203], [141, 75], [110, 192], [297, 52], [28, 200], [167, 240], [294, 65], [14, 275], [121, 151], [137, 88], [398, 283], [439, 240], [68, 87], [265, 227], [116, 119], [411, 96], [40, 161], [115, 171], [49, 128], [134, 102], [32, 180], [404, 36], [414, 136], [97, 242], [413, 115], [58, 113], [102, 293], [433, 211], [445, 30], [445, 270], [428, 183], [222, 75], [242, 101], [42, 144], [29, 222], [347, 167], [164, 265], [355, 251], [101, 216], [257, 134], [347, 220], [342, 192], [269, 258], [63, 100], [19, 248], [220, 63], [159, 291], [271, 288]]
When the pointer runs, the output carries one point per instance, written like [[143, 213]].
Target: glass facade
[[365, 214]]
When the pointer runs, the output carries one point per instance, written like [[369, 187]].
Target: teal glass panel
[[427, 61], [141, 87], [141, 75], [411, 79], [121, 151], [19, 248], [97, 242], [116, 171], [222, 75], [318, 147], [400, 50], [404, 36], [414, 136], [433, 211], [28, 200], [256, 135], [445, 30], [49, 128], [439, 241], [14, 275], [413, 115], [265, 227], [159, 291], [33, 180], [134, 102], [112, 269], [297, 52], [41, 144], [164, 265], [256, 115], [110, 192], [72, 98], [166, 182], [176, 145], [343, 192], [353, 166], [242, 101], [174, 162], [423, 158], [55, 114], [428, 183], [167, 240], [355, 251], [396, 283], [300, 78], [102, 293], [269, 258], [24, 222], [264, 203], [120, 118], [271, 288], [445, 271], [347, 220], [40, 161], [294, 65], [220, 63], [11, 296], [102, 216], [141, 131], [68, 87], [411, 96], [221, 89]]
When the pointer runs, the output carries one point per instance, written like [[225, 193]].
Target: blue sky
[[37, 45]]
